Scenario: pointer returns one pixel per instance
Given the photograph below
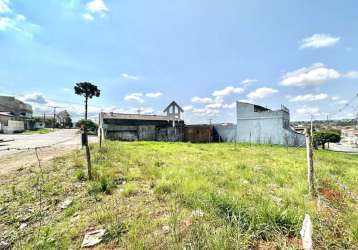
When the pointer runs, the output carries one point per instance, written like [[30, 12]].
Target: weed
[[80, 175], [251, 196], [115, 231], [103, 185], [130, 189]]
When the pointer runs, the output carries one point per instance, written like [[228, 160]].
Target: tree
[[64, 119], [89, 124], [326, 136], [88, 90]]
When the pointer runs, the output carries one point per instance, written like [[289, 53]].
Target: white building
[[349, 136], [260, 125], [14, 115]]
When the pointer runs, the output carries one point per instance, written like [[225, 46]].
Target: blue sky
[[204, 54]]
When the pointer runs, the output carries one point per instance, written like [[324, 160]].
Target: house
[[349, 136], [131, 127], [260, 125], [15, 115]]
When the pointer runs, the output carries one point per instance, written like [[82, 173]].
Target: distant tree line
[[326, 123]]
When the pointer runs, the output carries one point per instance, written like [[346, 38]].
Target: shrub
[[103, 185], [164, 187], [115, 231], [80, 175], [90, 125]]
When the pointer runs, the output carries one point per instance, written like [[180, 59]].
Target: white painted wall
[[268, 127], [14, 126]]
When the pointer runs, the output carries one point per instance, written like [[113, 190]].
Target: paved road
[[343, 148], [61, 141], [62, 138]]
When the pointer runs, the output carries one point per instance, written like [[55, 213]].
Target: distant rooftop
[[6, 114]]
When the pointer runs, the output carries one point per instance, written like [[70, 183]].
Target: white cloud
[[17, 23], [195, 110], [20, 17], [7, 23], [205, 111], [248, 81], [316, 74], [261, 93], [154, 94], [130, 77], [34, 98], [335, 98], [204, 100], [4, 6], [230, 106], [319, 40], [341, 102], [40, 104], [352, 75], [134, 97], [307, 110], [227, 91], [213, 106], [97, 6], [87, 17], [246, 101], [188, 108], [309, 98]]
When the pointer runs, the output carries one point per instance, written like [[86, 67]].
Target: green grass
[[152, 195], [37, 131]]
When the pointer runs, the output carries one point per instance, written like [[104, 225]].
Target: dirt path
[[15, 163]]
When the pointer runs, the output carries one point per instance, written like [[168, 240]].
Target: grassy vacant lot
[[151, 195], [37, 131]]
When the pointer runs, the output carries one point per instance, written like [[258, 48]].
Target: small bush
[[164, 188], [80, 175], [103, 185], [115, 231]]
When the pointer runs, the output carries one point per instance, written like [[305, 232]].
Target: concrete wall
[[265, 127], [199, 133], [142, 133], [226, 133], [13, 126]]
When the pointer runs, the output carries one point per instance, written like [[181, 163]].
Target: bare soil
[[11, 164]]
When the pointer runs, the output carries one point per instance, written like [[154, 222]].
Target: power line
[[344, 107], [54, 114]]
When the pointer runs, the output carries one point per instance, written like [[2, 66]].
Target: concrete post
[[310, 167]]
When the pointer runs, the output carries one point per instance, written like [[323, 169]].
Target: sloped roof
[[175, 104], [121, 116]]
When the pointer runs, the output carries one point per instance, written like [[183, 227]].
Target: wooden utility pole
[[54, 115], [310, 167], [88, 156], [100, 137]]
